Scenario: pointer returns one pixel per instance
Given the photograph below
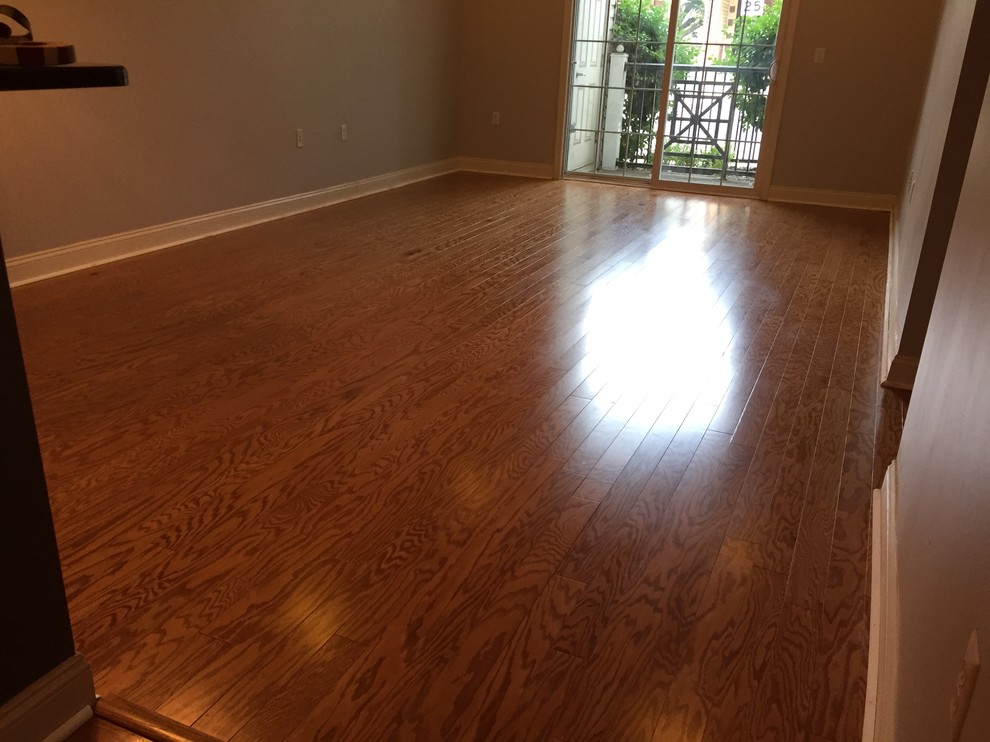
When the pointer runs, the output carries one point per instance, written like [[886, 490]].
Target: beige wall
[[510, 61], [217, 92], [940, 153], [943, 511], [847, 124]]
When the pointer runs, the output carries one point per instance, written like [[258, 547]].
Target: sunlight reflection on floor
[[654, 331]]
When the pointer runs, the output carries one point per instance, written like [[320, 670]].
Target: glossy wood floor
[[481, 458], [100, 730]]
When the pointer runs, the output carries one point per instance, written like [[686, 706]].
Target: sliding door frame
[[668, 73], [772, 120]]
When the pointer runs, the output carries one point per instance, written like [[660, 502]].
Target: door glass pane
[[615, 90], [718, 91]]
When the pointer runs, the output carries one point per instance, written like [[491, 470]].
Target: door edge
[[775, 99]]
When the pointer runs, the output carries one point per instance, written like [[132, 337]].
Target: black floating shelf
[[62, 76]]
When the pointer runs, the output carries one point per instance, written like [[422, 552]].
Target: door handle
[[773, 71]]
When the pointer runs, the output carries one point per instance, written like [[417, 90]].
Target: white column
[[615, 96]]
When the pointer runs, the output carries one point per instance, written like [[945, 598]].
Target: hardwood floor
[[100, 730], [118, 720], [480, 458]]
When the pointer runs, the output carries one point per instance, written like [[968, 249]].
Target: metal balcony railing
[[707, 132]]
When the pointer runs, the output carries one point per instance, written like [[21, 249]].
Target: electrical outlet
[[299, 138], [912, 182], [343, 132], [496, 118], [965, 685], [820, 55]]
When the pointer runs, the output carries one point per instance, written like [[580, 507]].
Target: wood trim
[[902, 372], [786, 32], [888, 348], [878, 720], [72, 725], [670, 186], [563, 92], [668, 70], [705, 189], [67, 259], [45, 706], [899, 370], [842, 199], [606, 179], [506, 167], [140, 720]]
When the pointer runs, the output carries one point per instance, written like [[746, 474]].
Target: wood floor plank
[[335, 318], [840, 680], [635, 642], [801, 322], [781, 461], [634, 545], [586, 456], [775, 522], [272, 621], [487, 702], [294, 698], [800, 280], [723, 664], [783, 699], [812, 544], [773, 500], [665, 458], [386, 689], [480, 547], [520, 460], [146, 671], [866, 381], [843, 368]]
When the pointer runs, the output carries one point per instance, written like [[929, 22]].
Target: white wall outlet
[[965, 685], [820, 55], [496, 118], [343, 132], [299, 138]]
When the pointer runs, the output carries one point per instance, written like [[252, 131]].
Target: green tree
[[752, 50], [641, 28]]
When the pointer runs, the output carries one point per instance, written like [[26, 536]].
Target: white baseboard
[[52, 707], [81, 255], [505, 167], [843, 199], [878, 721]]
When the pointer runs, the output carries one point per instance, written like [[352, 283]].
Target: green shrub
[[753, 42]]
